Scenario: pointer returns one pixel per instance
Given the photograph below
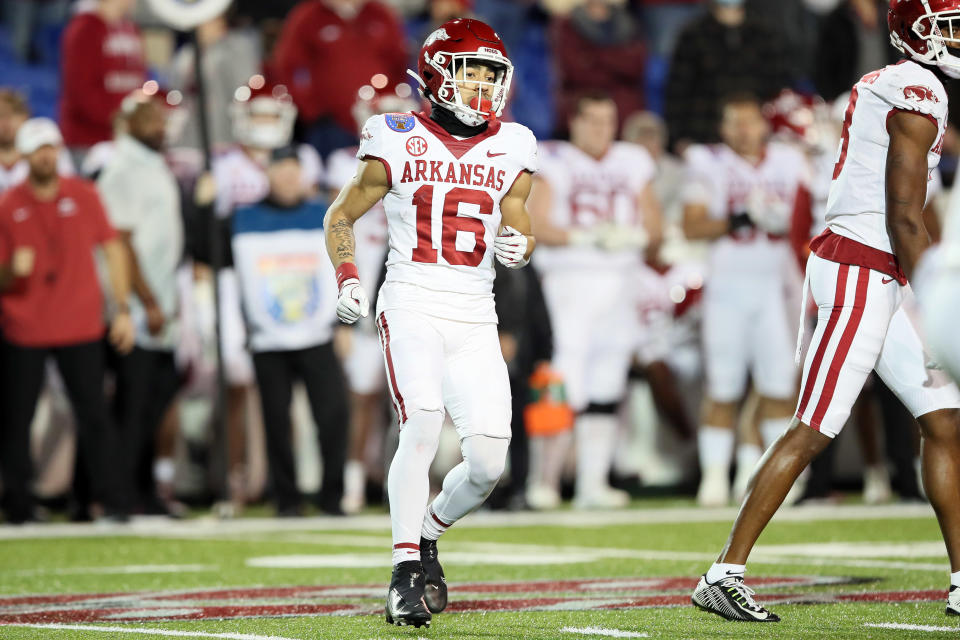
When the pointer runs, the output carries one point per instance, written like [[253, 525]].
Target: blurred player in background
[[740, 196], [858, 275], [594, 211], [465, 177], [363, 361]]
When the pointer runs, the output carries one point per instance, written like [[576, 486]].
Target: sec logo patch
[[416, 146], [400, 122]]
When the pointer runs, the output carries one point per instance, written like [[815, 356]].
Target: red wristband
[[346, 271]]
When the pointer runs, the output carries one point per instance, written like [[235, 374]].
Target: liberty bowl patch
[[402, 122]]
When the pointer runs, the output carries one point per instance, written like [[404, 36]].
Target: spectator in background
[[854, 40], [13, 167], [329, 49], [598, 48], [142, 199], [725, 51], [289, 296], [51, 304], [102, 62], [664, 19], [230, 58]]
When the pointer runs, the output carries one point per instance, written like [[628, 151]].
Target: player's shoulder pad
[[911, 86]]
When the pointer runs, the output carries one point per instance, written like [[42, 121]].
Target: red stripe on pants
[[825, 340], [385, 339], [830, 384]]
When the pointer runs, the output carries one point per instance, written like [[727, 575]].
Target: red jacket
[[60, 302], [323, 59], [100, 65]]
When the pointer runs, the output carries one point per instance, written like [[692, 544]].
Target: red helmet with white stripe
[[263, 114], [443, 62], [925, 30]]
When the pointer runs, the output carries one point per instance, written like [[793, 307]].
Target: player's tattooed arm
[[513, 208], [366, 188], [911, 137]]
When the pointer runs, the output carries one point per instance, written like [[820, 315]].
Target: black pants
[[21, 380], [320, 371], [147, 382]]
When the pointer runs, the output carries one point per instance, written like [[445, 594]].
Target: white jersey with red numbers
[[728, 184], [443, 210], [856, 208], [588, 191], [242, 180], [370, 230]]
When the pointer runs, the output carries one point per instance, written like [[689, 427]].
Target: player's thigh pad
[[774, 372], [902, 366], [854, 307], [476, 386], [726, 316], [364, 364], [237, 362], [413, 359]]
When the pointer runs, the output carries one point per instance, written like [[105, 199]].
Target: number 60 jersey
[[443, 210]]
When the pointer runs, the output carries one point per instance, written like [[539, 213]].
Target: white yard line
[[909, 627], [209, 527], [147, 631], [118, 570], [600, 631]]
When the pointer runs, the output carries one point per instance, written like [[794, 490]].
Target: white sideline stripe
[[120, 570], [908, 627], [147, 631], [600, 631], [207, 527]]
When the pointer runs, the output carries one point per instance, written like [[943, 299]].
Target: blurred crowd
[[167, 317]]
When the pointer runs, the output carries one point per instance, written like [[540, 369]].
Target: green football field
[[830, 572]]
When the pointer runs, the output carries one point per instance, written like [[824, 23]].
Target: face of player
[[43, 164], [148, 124], [594, 128], [286, 187], [469, 78], [10, 121], [744, 129]]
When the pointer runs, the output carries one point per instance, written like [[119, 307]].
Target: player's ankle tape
[[346, 271]]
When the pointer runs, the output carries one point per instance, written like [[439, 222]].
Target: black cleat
[[953, 601], [405, 604], [730, 598], [435, 593]]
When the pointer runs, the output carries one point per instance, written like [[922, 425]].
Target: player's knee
[[422, 429], [487, 461], [941, 426]]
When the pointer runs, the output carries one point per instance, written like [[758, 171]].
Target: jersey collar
[[454, 145]]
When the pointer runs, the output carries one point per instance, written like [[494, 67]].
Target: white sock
[[720, 570], [771, 428], [596, 437], [354, 478], [164, 470], [408, 483], [467, 485], [747, 457], [955, 578], [714, 446]]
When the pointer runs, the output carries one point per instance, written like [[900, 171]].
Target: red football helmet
[[447, 51], [923, 28], [263, 114], [799, 118]]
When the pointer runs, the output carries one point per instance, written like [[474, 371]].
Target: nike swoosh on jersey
[[886, 280], [490, 154]]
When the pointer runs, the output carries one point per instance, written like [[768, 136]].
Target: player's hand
[[205, 191], [768, 212], [155, 319], [740, 221], [510, 247], [353, 303], [22, 261], [617, 237], [122, 333]]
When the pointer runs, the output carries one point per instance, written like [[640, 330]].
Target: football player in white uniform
[[454, 184], [594, 210], [363, 361], [740, 196], [858, 275]]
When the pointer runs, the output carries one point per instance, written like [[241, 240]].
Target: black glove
[[739, 221]]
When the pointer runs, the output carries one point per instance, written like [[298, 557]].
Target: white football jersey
[[588, 191], [728, 184], [857, 205], [443, 209], [668, 309], [370, 230], [241, 180]]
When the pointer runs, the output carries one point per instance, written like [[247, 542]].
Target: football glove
[[352, 303], [619, 237], [510, 247], [768, 212]]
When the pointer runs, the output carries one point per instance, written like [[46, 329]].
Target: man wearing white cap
[[51, 305]]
